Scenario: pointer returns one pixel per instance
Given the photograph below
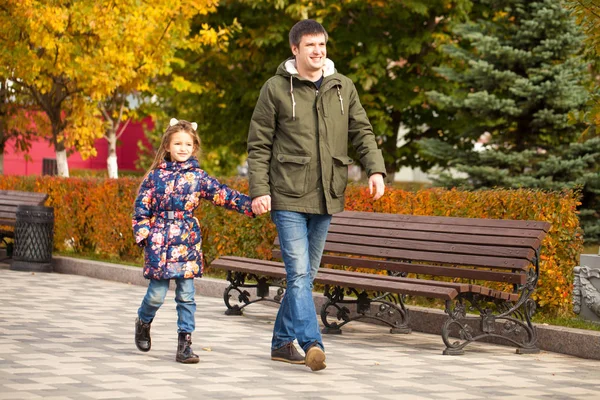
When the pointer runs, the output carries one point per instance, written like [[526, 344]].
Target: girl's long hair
[[162, 154]]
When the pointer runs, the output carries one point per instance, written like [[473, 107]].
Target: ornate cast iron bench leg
[[237, 280], [391, 312], [516, 328]]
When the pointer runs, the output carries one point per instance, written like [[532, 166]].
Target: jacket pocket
[[339, 178], [289, 174]]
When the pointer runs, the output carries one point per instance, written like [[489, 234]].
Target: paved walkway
[[71, 337]]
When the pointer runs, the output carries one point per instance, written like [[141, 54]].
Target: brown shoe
[[288, 354], [315, 358]]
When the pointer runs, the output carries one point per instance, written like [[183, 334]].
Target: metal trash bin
[[34, 239]]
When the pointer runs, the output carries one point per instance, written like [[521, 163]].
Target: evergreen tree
[[517, 76]]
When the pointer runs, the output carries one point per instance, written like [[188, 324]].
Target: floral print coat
[[163, 220]]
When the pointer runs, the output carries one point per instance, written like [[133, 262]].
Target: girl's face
[[181, 146]]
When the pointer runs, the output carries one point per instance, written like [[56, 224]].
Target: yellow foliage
[[68, 56]]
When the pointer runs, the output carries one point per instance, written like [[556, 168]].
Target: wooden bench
[[414, 253], [10, 200]]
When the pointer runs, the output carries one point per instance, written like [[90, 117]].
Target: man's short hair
[[306, 27]]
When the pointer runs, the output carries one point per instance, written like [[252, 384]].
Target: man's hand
[[261, 205], [375, 180]]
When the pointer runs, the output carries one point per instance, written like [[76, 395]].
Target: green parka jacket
[[298, 141]]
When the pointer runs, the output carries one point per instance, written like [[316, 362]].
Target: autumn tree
[[587, 16], [158, 53], [71, 56], [386, 47]]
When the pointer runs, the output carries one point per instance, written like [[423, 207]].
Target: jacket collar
[[191, 163], [328, 68]]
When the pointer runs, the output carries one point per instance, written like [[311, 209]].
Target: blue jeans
[[302, 239], [184, 297]]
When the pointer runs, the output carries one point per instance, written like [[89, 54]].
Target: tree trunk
[[58, 126], [111, 162], [2, 162], [114, 130], [61, 161]]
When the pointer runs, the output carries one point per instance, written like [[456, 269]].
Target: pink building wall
[[127, 153]]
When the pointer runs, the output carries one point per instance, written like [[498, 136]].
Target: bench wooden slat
[[40, 197], [518, 278], [413, 289], [463, 229], [406, 254], [423, 269], [431, 270], [532, 243], [277, 269], [18, 202], [7, 216], [458, 221], [447, 248], [276, 264], [362, 282], [249, 266], [459, 287]]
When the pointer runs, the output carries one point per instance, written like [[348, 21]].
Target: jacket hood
[[191, 163], [288, 68]]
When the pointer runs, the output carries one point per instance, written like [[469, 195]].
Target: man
[[298, 169]]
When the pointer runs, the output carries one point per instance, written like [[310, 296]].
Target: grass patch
[[215, 273], [98, 257], [567, 322], [590, 248]]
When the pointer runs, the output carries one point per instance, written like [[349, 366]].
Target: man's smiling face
[[310, 54]]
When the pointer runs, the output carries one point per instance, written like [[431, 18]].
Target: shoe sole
[[286, 360], [188, 361], [315, 359]]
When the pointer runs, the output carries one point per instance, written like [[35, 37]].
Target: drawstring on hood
[[293, 99], [328, 69], [341, 100]]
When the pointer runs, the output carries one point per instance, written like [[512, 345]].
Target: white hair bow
[[174, 121]]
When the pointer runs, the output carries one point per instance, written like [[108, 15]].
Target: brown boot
[[315, 358], [288, 354], [185, 354]]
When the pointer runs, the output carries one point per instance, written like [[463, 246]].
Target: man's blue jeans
[[184, 297], [302, 239]]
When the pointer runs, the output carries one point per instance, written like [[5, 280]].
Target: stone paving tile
[[71, 337]]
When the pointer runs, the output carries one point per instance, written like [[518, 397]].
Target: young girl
[[164, 224]]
